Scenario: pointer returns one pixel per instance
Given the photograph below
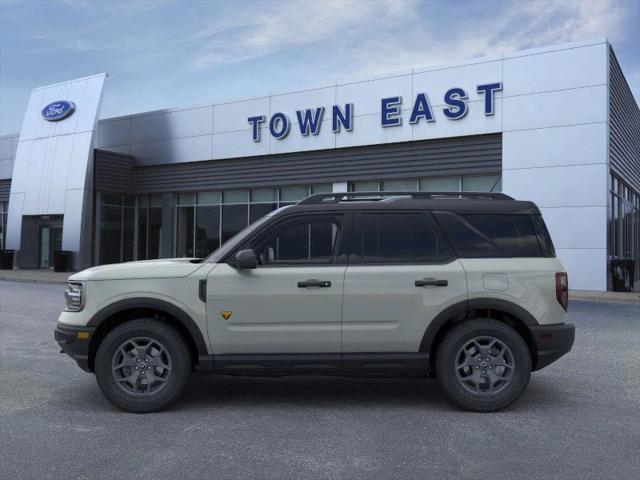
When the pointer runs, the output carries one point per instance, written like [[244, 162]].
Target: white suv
[[463, 286]]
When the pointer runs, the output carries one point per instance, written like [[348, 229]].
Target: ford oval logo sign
[[56, 111]]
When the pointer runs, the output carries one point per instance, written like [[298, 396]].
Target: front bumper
[[74, 341], [552, 342]]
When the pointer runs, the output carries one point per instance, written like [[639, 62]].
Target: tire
[[472, 382], [143, 365]]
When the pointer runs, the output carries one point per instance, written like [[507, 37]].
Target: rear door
[[401, 274]]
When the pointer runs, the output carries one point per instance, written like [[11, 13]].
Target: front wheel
[[143, 365], [483, 365]]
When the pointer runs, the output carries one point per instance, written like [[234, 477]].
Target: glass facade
[[624, 236], [4, 206], [205, 220], [131, 228], [116, 227], [149, 230], [478, 183]]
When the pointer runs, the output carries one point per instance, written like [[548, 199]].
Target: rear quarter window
[[514, 234], [490, 235]]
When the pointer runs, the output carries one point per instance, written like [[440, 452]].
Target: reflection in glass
[[207, 230]]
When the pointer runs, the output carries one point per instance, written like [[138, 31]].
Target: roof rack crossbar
[[336, 197]]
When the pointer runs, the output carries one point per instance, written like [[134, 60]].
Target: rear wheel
[[483, 365], [143, 365]]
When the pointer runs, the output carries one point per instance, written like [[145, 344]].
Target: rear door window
[[467, 241], [398, 238]]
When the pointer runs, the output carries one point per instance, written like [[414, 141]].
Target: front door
[[401, 274], [50, 242], [291, 303], [45, 257]]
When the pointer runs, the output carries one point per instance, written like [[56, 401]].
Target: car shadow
[[223, 391], [311, 391]]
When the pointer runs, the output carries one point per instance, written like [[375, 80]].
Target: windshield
[[238, 238]]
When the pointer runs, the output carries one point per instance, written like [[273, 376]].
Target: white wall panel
[[77, 163], [436, 82], [72, 221], [366, 131], [295, 142], [32, 187], [7, 147], [76, 92], [239, 143], [587, 268], [61, 148], [291, 102], [114, 132], [475, 122], [366, 96], [89, 105], [584, 185], [14, 219], [572, 145], [32, 115], [189, 149], [147, 128], [231, 117], [6, 169], [577, 227], [554, 109], [562, 69], [189, 122]]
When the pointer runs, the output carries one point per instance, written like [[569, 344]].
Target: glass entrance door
[[50, 241], [45, 258]]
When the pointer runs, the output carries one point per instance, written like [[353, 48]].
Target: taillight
[[562, 289]]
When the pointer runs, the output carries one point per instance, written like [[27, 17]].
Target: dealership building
[[556, 125]]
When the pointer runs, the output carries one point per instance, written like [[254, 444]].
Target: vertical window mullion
[[121, 227], [193, 244]]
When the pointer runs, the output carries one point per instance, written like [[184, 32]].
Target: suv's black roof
[[458, 202]]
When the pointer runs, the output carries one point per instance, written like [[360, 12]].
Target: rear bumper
[[74, 345], [552, 342]]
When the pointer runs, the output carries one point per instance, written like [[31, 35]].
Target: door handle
[[312, 282], [428, 282]]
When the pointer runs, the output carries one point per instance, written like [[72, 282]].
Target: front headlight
[[74, 297]]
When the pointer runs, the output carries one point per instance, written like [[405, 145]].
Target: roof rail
[[336, 197]]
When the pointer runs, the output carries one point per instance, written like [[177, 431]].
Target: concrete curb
[[35, 279], [631, 298], [31, 280]]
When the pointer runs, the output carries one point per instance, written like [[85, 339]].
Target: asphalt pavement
[[579, 418]]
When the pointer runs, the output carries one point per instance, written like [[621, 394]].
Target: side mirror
[[246, 259]]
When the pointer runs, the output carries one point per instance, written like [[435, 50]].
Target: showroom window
[[624, 235], [116, 221], [149, 227], [475, 183], [3, 223], [206, 220]]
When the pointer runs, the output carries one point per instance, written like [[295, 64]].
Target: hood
[[164, 268]]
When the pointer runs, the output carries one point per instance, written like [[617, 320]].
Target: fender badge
[[226, 314]]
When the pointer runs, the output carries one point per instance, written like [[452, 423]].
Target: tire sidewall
[[458, 337], [176, 349]]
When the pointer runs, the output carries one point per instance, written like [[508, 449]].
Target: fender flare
[[461, 309], [155, 304]]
